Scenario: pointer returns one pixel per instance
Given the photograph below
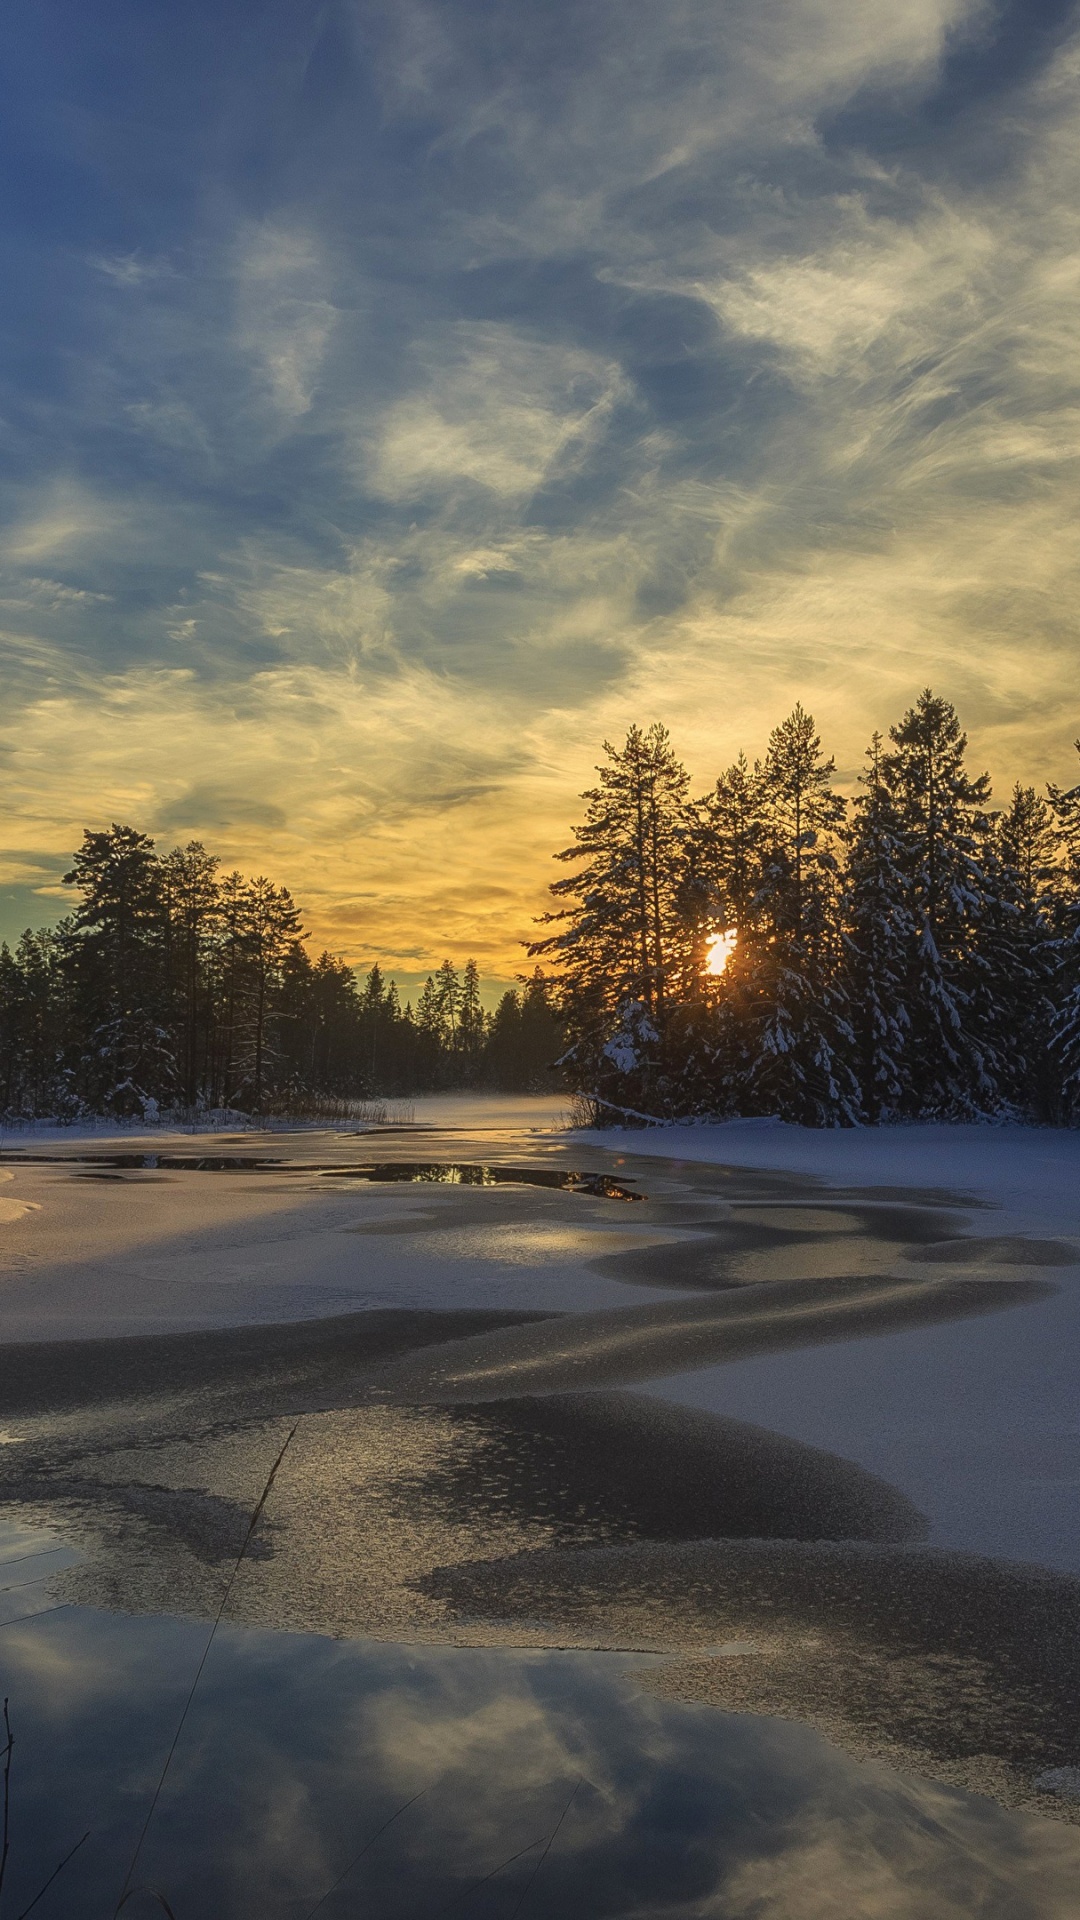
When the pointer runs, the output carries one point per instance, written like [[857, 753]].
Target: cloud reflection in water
[[299, 1748]]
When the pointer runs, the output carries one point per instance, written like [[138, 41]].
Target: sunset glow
[[719, 948], [695, 360]]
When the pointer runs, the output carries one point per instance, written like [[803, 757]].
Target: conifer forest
[[175, 988], [769, 948]]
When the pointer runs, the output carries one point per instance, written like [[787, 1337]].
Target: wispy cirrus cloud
[[458, 391]]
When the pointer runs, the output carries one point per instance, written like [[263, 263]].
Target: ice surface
[[978, 1422]]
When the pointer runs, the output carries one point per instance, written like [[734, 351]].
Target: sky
[[398, 399]]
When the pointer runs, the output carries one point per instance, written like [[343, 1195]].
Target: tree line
[[173, 986], [912, 955]]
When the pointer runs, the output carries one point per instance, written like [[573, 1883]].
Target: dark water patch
[[383, 1173], [145, 1179], [617, 1346], [972, 1664], [633, 1467], [473, 1174], [547, 1782]]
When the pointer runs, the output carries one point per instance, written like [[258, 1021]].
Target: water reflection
[[546, 1778], [441, 1173]]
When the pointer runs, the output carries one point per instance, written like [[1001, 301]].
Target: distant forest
[[766, 948], [174, 987], [770, 948]]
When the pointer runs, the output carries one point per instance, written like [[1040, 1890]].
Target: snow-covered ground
[[458, 1112], [1031, 1173], [978, 1421]]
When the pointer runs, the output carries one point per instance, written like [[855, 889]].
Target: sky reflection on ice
[[298, 1749]]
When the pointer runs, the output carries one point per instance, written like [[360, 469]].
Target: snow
[[1032, 1173], [458, 1112], [978, 1421]]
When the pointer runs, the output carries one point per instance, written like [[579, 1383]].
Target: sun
[[719, 949]]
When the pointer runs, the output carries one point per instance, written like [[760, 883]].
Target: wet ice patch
[[1064, 1781]]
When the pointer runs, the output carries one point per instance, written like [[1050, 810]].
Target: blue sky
[[397, 399]]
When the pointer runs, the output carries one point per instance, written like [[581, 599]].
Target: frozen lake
[[716, 1484]]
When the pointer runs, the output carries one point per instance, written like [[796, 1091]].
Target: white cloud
[[284, 319], [65, 522], [496, 408]]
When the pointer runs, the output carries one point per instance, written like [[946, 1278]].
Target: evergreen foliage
[[912, 956], [174, 987]]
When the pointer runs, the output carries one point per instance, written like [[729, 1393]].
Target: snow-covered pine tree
[[726, 847], [623, 941], [1066, 1021], [36, 1072], [114, 955], [786, 976], [945, 831], [878, 945], [708, 1060], [190, 903], [1019, 951], [269, 931]]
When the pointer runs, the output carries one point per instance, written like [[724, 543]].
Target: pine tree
[[448, 1002], [731, 843], [879, 943], [1019, 950], [623, 944], [269, 932], [114, 953], [471, 1031], [786, 976], [190, 902], [1065, 1035], [35, 1027], [945, 828]]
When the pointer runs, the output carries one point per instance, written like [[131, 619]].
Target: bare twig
[[5, 1839], [41, 1553], [485, 1877], [18, 1618], [356, 1859], [72, 1851], [155, 1894], [127, 1889], [552, 1837]]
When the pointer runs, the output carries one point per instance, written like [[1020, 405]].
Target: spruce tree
[[1019, 952], [1065, 1036], [623, 948], [190, 902], [944, 829], [786, 977], [878, 945], [115, 957], [471, 1025]]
